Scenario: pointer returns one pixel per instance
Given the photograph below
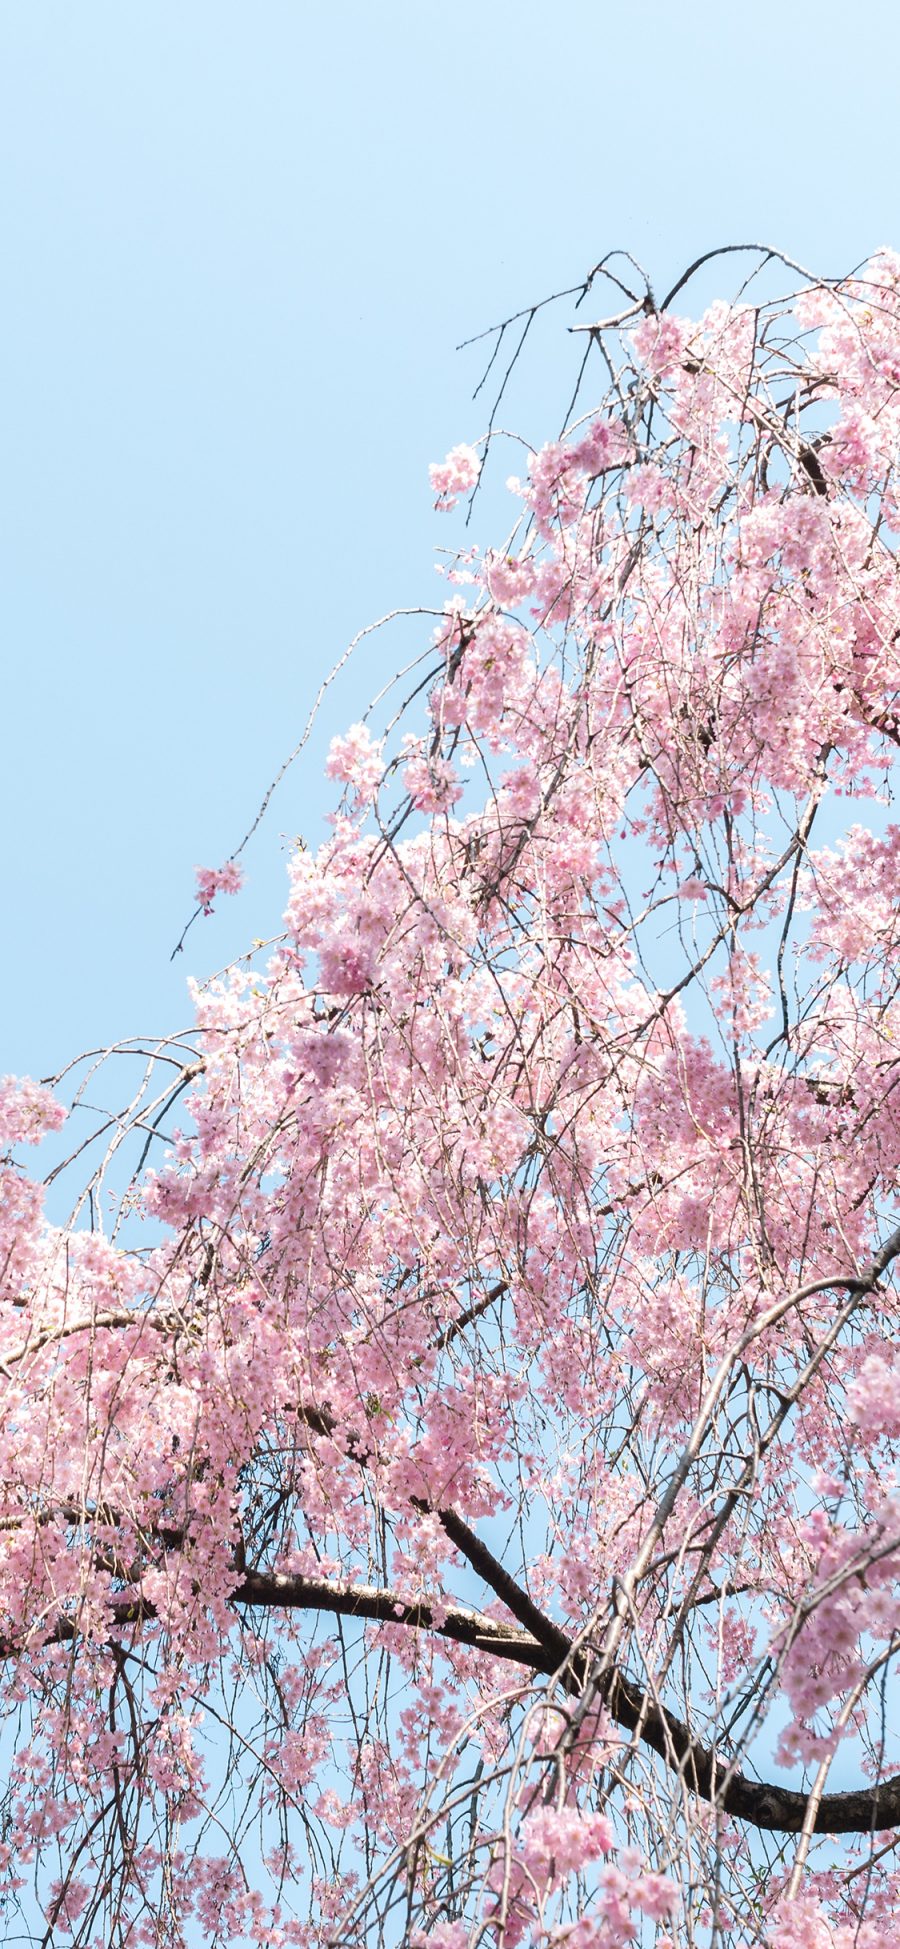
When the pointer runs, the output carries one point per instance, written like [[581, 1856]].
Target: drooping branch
[[706, 1775]]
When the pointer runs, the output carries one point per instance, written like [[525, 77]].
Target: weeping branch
[[549, 1651], [704, 1773]]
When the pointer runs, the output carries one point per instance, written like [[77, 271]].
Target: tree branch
[[708, 1776], [705, 1774]]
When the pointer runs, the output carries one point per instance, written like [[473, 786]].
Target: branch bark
[[542, 1646], [704, 1773], [763, 1804]]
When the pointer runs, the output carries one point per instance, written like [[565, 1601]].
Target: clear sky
[[239, 244]]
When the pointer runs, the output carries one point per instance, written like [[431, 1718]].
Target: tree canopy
[[449, 1493]]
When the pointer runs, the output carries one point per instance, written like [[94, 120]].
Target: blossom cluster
[[211, 880]]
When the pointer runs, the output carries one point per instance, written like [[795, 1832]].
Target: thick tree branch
[[545, 1649], [705, 1773], [542, 1646], [375, 1605]]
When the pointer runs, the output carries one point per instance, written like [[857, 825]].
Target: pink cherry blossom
[[211, 880], [454, 476], [450, 1460], [356, 759], [27, 1112]]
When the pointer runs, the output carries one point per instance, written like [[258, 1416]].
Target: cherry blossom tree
[[450, 1495]]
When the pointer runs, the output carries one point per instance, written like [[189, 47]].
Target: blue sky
[[239, 245]]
